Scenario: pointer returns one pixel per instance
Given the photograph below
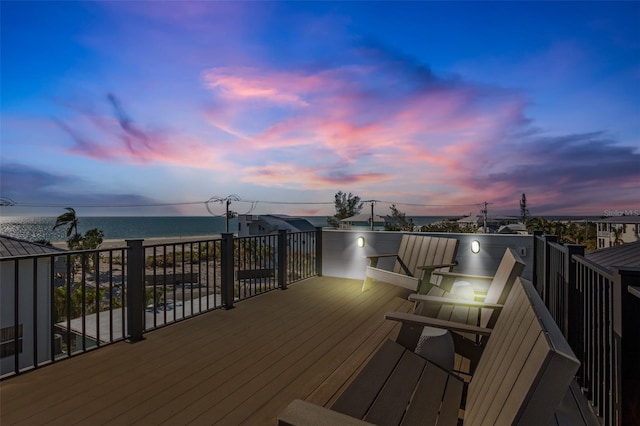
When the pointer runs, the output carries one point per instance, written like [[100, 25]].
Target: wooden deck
[[241, 366]]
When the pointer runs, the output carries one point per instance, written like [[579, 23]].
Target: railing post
[[573, 315], [282, 259], [547, 270], [537, 235], [626, 334], [227, 270], [319, 251], [135, 290]]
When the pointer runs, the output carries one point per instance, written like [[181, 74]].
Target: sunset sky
[[153, 108]]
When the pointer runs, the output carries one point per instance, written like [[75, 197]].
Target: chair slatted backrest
[[406, 245], [420, 250], [447, 249], [510, 268], [412, 260], [525, 368]]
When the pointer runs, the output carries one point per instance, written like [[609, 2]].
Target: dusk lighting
[[153, 108]]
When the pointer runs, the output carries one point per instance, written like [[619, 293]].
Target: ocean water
[[121, 227], [117, 227]]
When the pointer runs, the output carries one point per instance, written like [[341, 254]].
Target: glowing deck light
[[360, 242], [475, 246]]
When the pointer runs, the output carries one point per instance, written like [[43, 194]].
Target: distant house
[[249, 225], [362, 221], [470, 221], [617, 230], [513, 228], [494, 223], [34, 293]]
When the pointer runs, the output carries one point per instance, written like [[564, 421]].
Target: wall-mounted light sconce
[[360, 242], [475, 246]]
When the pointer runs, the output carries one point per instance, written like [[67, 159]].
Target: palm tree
[[538, 223], [68, 219], [617, 231]]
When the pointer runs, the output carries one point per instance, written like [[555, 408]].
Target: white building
[[362, 221], [616, 230], [249, 225], [33, 301]]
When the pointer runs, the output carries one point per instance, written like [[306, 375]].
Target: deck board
[[240, 366]]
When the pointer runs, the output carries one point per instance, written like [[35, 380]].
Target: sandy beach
[[109, 244]]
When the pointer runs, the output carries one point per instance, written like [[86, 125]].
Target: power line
[[426, 205], [7, 202], [288, 202], [19, 204]]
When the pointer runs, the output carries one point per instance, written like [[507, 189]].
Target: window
[[7, 341]]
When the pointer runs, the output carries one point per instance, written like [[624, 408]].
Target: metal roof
[[624, 255], [289, 223], [10, 247], [618, 219], [364, 217]]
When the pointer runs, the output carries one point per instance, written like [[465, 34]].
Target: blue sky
[[136, 108]]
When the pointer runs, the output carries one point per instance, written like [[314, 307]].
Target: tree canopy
[[68, 219], [90, 240], [346, 205], [398, 221]]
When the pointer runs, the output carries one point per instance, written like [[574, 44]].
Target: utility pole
[[372, 215], [523, 208], [227, 200], [484, 214]]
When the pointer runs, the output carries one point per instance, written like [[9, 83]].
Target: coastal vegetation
[[76, 241], [346, 205], [568, 232], [398, 221], [449, 226]]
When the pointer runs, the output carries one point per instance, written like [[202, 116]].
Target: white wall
[[341, 257], [25, 309]]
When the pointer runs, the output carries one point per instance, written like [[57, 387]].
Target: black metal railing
[[256, 265], [597, 310], [60, 304], [180, 280], [57, 305]]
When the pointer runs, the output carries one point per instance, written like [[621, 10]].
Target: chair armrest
[[415, 297], [442, 265], [375, 256], [459, 275], [419, 320], [303, 413]]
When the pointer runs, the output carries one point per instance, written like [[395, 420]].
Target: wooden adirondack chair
[[417, 258], [522, 377], [447, 307]]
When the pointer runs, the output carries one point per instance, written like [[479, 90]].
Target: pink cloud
[[245, 84], [351, 121], [102, 138], [363, 127], [290, 175]]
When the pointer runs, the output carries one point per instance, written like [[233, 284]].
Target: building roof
[[619, 219], [10, 246], [290, 223], [512, 228], [469, 219], [624, 255], [364, 217]]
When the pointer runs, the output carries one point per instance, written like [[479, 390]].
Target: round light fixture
[[360, 242], [475, 246]]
